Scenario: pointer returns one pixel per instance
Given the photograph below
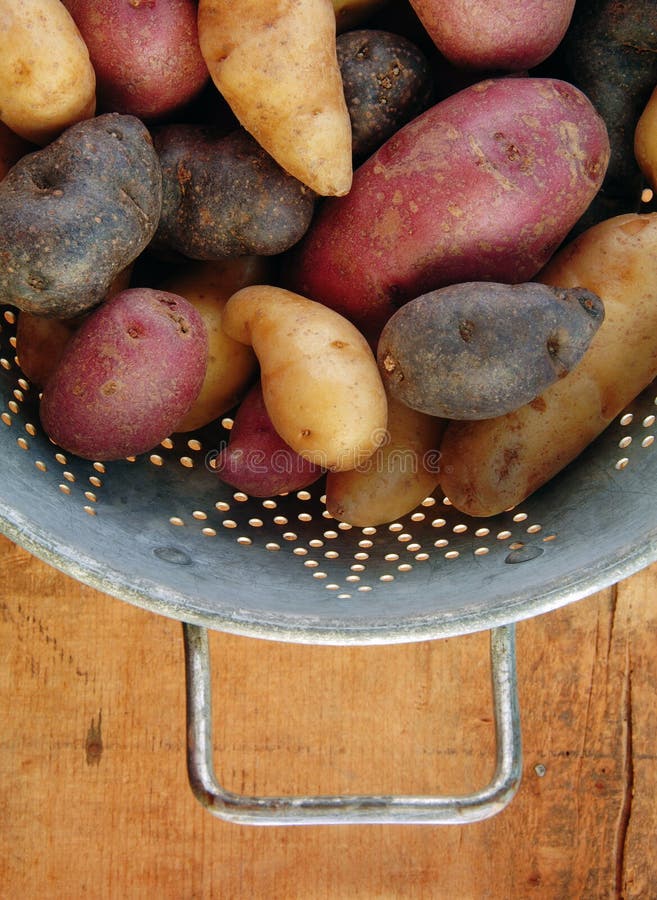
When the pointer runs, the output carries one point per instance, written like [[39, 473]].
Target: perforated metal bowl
[[163, 532]]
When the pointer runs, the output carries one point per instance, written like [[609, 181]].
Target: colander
[[162, 532]]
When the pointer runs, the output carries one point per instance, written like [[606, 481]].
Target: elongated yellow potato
[[320, 382], [645, 140], [232, 365], [494, 464], [396, 478], [276, 66], [47, 81]]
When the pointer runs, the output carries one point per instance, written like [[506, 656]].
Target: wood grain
[[94, 795]]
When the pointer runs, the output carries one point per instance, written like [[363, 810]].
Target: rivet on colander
[[173, 555]]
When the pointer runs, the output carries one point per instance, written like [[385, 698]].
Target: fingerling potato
[[320, 381]]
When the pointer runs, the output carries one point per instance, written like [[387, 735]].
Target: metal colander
[[161, 531]]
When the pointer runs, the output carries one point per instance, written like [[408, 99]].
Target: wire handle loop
[[353, 809]]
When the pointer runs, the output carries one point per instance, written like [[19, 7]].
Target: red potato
[[495, 35], [481, 187], [257, 460], [145, 54], [127, 376]]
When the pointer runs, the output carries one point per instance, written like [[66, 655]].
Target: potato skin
[[401, 473], [481, 349], [495, 35], [481, 187], [40, 343], [76, 213], [127, 375], [387, 81], [493, 465], [645, 141], [277, 68], [223, 196], [320, 381], [146, 55], [256, 459], [231, 366], [47, 81]]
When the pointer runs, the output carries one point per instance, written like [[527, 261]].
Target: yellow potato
[[276, 66], [231, 365], [47, 81], [645, 141], [400, 474], [320, 382], [492, 465]]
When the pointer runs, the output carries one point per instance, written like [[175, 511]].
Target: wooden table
[[95, 801]]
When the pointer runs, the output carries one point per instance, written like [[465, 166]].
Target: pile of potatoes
[[401, 242]]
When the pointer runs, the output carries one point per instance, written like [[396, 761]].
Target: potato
[[47, 81], [40, 340], [481, 187], [492, 465], [12, 147], [223, 196], [127, 376], [276, 65], [481, 349], [231, 366], [387, 81], [400, 474], [645, 141], [610, 53], [320, 381], [75, 214], [40, 343], [503, 35], [256, 460], [146, 55]]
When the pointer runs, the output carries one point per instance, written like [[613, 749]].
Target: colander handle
[[353, 809]]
